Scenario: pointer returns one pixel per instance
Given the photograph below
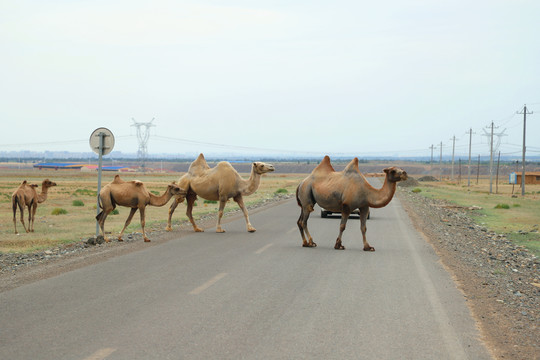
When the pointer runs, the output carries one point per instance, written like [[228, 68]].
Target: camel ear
[[387, 170]]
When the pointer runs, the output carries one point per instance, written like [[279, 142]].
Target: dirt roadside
[[500, 281]]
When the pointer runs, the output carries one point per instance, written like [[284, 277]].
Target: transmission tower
[[493, 149], [143, 134]]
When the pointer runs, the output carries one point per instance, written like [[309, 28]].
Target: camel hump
[[117, 179], [352, 166], [138, 183], [325, 166]]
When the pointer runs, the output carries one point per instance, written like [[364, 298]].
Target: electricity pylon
[[143, 134]]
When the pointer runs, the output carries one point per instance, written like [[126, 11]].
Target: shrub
[[59, 211], [516, 205], [502, 206], [77, 203], [210, 201], [416, 190], [115, 212], [85, 192], [281, 191]]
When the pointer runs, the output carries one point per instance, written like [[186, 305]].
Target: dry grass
[[519, 216], [79, 221]]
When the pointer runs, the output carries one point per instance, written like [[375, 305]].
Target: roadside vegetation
[[515, 216], [68, 214]]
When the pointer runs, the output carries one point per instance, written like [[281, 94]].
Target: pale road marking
[[450, 338], [292, 230], [263, 248], [207, 284], [101, 354]]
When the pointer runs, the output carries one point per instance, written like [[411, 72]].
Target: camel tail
[[297, 198], [14, 203]]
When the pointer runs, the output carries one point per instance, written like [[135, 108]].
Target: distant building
[[530, 178]]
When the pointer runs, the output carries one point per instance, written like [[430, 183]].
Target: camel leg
[[344, 217], [143, 222], [101, 221], [363, 219], [302, 226], [21, 210], [240, 201], [128, 221], [171, 212], [222, 203], [32, 216], [189, 212]]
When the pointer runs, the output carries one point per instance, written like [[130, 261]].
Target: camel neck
[[160, 200], [43, 195], [378, 198], [252, 184]]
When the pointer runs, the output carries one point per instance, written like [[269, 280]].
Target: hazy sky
[[336, 77]]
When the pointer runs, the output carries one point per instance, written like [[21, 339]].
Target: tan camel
[[218, 184], [132, 194], [343, 191], [26, 195]]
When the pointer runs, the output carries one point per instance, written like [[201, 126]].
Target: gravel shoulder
[[500, 280]]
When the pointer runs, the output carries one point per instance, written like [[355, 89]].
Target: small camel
[[218, 184], [26, 195], [132, 194], [343, 191]]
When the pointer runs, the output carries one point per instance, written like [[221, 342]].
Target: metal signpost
[[102, 143]]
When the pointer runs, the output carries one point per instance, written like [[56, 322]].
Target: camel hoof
[[146, 240], [340, 247], [221, 231], [369, 248], [198, 230], [168, 228], [252, 230], [309, 245], [120, 239]]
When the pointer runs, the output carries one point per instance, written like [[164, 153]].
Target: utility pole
[[493, 148], [524, 112], [453, 153], [440, 164], [143, 135], [491, 162], [431, 161], [469, 168]]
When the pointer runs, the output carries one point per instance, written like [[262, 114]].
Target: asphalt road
[[252, 296]]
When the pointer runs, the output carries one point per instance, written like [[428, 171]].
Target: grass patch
[[77, 203], [210, 201], [59, 211], [282, 191], [85, 192], [416, 190], [523, 215]]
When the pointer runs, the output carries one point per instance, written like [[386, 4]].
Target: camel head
[[176, 190], [48, 183], [262, 168], [395, 174]]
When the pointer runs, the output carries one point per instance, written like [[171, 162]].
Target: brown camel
[[343, 191], [219, 184], [26, 195], [132, 194]]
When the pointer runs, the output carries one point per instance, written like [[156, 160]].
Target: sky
[[358, 78]]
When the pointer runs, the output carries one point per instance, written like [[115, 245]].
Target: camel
[[26, 195], [132, 194], [343, 191], [218, 184]]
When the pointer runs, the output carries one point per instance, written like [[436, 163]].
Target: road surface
[[258, 295]]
